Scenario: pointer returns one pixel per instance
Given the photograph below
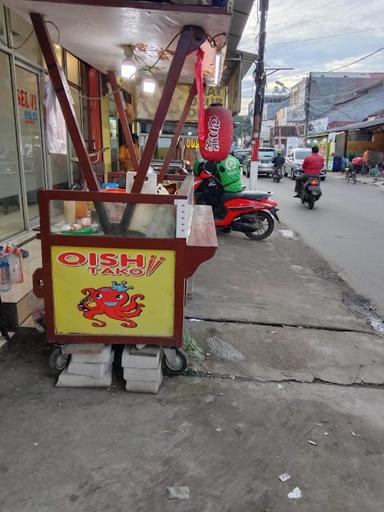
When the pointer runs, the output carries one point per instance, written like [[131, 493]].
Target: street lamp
[[281, 84]]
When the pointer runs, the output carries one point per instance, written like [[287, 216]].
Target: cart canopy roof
[[97, 34]]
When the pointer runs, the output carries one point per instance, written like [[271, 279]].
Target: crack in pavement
[[193, 372], [277, 324]]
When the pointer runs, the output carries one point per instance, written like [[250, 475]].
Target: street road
[[346, 227]]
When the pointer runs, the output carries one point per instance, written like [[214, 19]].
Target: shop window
[[11, 219], [20, 30], [31, 143], [73, 68], [76, 178], [59, 54]]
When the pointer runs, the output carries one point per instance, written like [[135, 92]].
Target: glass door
[[11, 216], [31, 140]]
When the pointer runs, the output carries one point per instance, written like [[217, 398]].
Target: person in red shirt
[[312, 166]]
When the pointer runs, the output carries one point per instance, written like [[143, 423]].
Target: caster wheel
[[177, 363], [57, 361]]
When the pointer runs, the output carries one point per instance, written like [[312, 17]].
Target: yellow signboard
[[211, 95], [120, 292]]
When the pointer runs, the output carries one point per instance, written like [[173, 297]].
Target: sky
[[349, 30]]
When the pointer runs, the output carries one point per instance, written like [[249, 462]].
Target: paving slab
[[279, 280], [276, 353], [227, 441]]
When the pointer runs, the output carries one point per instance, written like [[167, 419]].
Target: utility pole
[[260, 79], [307, 103]]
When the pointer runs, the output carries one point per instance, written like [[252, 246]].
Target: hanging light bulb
[[149, 85], [128, 68]]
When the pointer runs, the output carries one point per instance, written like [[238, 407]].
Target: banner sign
[[120, 292]]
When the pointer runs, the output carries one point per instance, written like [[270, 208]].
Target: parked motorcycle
[[311, 192], [251, 213]]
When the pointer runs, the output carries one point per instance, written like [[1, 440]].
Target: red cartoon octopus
[[114, 302]]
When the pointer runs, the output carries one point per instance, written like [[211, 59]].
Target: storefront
[[25, 162]]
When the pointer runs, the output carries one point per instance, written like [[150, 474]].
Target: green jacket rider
[[229, 174], [227, 171]]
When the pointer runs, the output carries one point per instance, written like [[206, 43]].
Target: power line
[[287, 8], [358, 60], [322, 37]]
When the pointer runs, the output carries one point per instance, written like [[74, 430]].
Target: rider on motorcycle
[[228, 179], [312, 166], [278, 162]]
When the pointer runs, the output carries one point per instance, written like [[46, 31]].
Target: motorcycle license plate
[[315, 191]]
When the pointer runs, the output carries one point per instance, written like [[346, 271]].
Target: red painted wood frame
[[140, 4], [120, 107], [191, 38], [59, 84], [187, 260], [179, 128]]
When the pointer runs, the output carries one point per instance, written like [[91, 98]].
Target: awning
[[96, 34], [358, 126]]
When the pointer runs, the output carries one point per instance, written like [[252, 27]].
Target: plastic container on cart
[[153, 220]]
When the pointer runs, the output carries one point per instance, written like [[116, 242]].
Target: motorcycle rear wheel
[[311, 203], [265, 226]]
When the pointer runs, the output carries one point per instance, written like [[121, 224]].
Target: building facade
[[26, 165]]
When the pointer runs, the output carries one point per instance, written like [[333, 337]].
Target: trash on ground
[[313, 443], [354, 434], [280, 386], [284, 477], [325, 433], [287, 233], [219, 429], [295, 494], [178, 493], [223, 349], [194, 320]]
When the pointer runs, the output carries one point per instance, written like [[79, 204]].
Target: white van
[[293, 166]]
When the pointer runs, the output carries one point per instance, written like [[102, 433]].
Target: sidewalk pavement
[[365, 180], [292, 384]]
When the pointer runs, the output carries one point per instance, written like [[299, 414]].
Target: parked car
[[293, 166], [242, 155], [266, 155]]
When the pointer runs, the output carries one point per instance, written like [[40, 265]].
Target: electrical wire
[[358, 60], [25, 41], [288, 8], [57, 29], [21, 44], [294, 41], [163, 52]]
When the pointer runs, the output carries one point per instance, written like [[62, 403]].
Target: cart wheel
[[57, 361], [175, 361]]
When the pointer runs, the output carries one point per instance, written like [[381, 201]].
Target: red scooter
[[251, 213]]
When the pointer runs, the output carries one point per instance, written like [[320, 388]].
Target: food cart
[[118, 274]]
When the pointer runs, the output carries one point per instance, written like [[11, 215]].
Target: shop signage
[[318, 125], [191, 144], [27, 102], [113, 291]]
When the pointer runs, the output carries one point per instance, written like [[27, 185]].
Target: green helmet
[[197, 166]]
